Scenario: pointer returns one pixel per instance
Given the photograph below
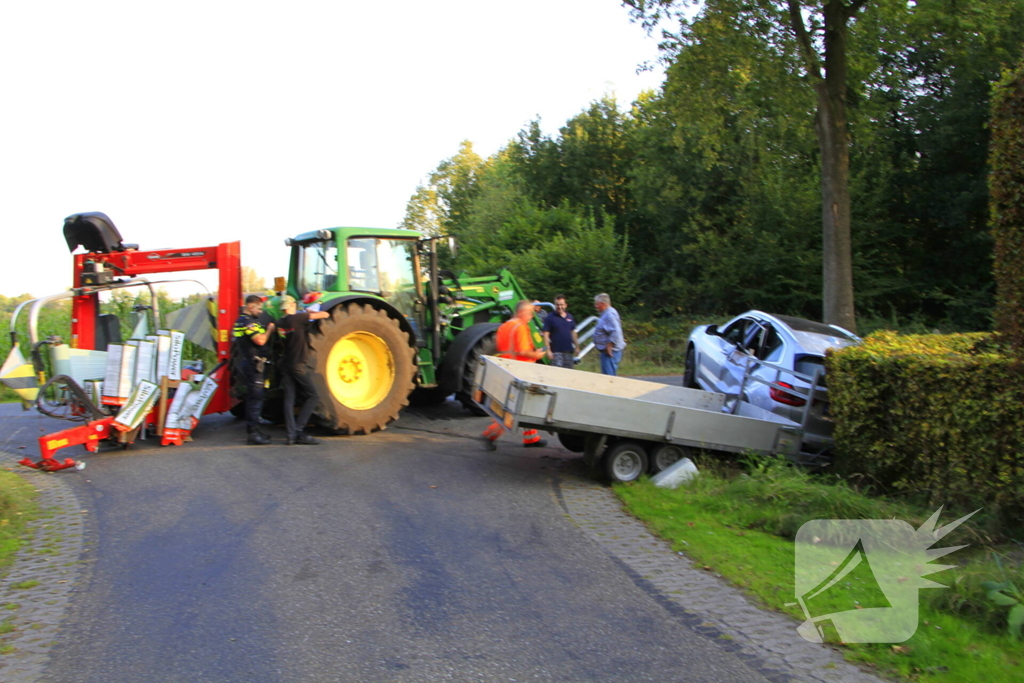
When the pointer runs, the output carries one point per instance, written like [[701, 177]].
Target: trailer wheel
[[364, 368], [487, 346], [666, 455], [625, 461]]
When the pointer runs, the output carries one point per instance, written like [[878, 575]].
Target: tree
[[585, 165], [251, 281], [828, 76], [816, 33], [441, 206], [723, 182], [714, 185], [922, 240]]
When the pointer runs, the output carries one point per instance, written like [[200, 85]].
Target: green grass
[[25, 585], [630, 367], [17, 508], [741, 525], [653, 347]]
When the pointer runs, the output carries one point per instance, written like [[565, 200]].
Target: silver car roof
[[816, 338]]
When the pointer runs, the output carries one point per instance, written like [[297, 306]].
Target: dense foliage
[[705, 196], [1007, 188], [936, 416]]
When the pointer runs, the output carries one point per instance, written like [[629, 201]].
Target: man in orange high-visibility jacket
[[516, 342]]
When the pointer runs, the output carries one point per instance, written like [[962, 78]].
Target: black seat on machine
[[94, 231]]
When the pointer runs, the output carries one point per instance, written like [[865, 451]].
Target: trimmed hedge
[[937, 416], [1006, 191]]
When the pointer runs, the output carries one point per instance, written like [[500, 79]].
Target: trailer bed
[[558, 399]]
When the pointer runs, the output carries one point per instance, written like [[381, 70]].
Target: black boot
[[258, 438], [303, 438]]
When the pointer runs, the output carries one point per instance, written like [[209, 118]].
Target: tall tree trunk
[[834, 140], [834, 144]]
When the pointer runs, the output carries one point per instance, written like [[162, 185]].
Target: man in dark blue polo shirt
[[560, 335]]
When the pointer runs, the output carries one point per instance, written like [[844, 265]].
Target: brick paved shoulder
[[35, 589], [710, 605]]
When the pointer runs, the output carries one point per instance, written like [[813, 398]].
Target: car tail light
[[781, 396]]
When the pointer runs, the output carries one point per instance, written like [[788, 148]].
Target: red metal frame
[[225, 257], [88, 435]]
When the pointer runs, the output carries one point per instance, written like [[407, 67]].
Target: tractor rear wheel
[[487, 346], [363, 368]]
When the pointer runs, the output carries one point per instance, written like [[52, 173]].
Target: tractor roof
[[344, 233]]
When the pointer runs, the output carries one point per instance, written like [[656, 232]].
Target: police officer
[[251, 336]]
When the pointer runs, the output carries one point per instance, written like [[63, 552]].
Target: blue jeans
[[610, 364]]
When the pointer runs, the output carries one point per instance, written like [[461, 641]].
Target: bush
[[1006, 189], [936, 416], [586, 259]]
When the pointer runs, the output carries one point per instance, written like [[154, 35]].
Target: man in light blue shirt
[[608, 337]]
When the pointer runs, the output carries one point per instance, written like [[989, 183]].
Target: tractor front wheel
[[363, 368], [487, 346]]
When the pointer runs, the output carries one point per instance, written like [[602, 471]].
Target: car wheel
[[690, 370]]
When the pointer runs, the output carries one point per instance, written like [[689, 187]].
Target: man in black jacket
[[295, 374]]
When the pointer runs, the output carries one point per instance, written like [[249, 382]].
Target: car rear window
[[802, 325]]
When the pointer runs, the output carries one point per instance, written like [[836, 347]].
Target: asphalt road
[[407, 555]]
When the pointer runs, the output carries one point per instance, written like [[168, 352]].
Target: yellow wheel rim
[[360, 370]]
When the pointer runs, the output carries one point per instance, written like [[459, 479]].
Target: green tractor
[[400, 328]]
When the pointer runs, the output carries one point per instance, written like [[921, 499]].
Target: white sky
[[192, 123]]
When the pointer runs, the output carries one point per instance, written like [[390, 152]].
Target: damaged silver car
[[771, 361]]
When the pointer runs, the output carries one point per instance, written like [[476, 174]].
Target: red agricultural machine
[[109, 264]]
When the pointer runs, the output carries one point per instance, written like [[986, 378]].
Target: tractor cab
[[378, 262], [398, 321]]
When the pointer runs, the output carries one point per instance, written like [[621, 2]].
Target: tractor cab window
[[318, 267], [362, 265], [384, 267]]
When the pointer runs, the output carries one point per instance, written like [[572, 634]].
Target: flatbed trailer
[[626, 427]]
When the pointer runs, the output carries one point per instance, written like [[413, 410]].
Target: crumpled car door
[[739, 357]]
